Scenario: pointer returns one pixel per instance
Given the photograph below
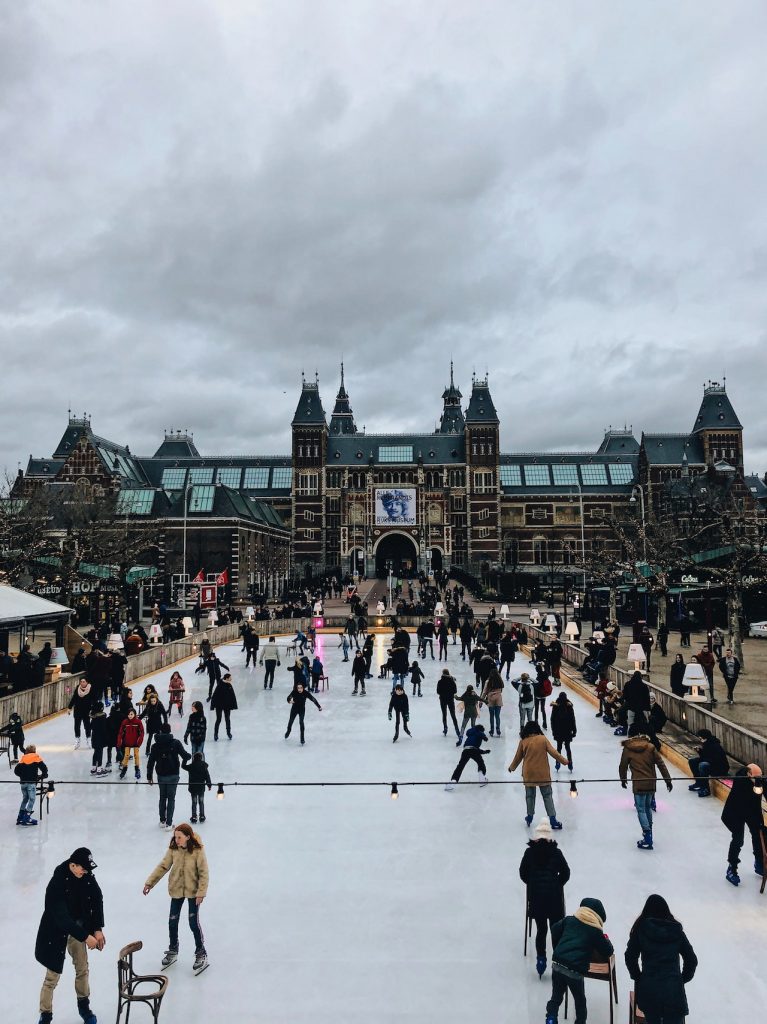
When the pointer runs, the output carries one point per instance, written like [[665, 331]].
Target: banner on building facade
[[395, 506]]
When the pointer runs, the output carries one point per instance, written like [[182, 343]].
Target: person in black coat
[[658, 939], [711, 761], [400, 705], [223, 702], [72, 922], [297, 700], [677, 676], [213, 667], [447, 691], [563, 728], [729, 666], [99, 735], [743, 809], [117, 664], [156, 717], [545, 872], [636, 697], [359, 672]]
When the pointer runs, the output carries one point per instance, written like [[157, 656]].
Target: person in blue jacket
[[475, 737]]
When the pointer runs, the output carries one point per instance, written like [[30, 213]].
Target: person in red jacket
[[130, 736]]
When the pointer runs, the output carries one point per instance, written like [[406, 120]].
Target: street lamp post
[[583, 538], [183, 556], [636, 489]]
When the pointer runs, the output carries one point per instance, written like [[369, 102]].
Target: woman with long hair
[[677, 676], [658, 939], [533, 754], [188, 880]]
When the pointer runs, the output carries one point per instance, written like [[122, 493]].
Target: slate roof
[[309, 409], [47, 468], [757, 487], [716, 411], [434, 449], [481, 408], [177, 447], [619, 442], [668, 449]]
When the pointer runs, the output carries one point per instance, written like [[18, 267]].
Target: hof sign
[[395, 506]]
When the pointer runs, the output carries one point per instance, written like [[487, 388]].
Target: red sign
[[208, 592]]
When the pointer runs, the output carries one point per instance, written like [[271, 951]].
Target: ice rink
[[343, 905]]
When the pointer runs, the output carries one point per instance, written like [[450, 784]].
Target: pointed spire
[[342, 420], [452, 421]]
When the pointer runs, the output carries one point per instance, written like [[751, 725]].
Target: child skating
[[297, 700], [176, 690], [130, 736], [199, 778], [400, 705], [475, 737], [416, 675]]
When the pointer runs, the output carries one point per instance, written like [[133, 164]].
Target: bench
[[128, 981], [602, 970]]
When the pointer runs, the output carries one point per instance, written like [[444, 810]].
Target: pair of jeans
[[700, 770], [469, 754], [167, 785], [28, 793], [296, 713], [226, 713], [78, 951], [525, 714], [198, 748], [427, 640], [468, 716], [548, 801], [270, 666], [495, 719], [559, 984], [176, 903], [448, 704], [198, 803], [643, 804]]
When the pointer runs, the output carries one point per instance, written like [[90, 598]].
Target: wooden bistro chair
[[528, 922], [602, 970], [128, 981], [324, 682]]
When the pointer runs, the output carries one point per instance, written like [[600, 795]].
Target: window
[[457, 503], [567, 514], [565, 475], [540, 551], [621, 473], [395, 453], [512, 552], [511, 476], [456, 478], [201, 475], [484, 481], [537, 476], [282, 476], [484, 513], [593, 474], [309, 534], [484, 531], [229, 476], [308, 483], [135, 503], [256, 478], [174, 478], [568, 550], [309, 515], [202, 498]]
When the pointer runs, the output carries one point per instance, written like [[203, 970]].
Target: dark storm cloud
[[200, 200]]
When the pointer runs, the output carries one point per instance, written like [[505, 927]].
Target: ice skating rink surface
[[342, 905]]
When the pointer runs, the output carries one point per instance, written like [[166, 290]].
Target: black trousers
[[251, 653], [448, 704], [559, 983], [269, 675], [540, 705], [84, 720], [296, 713], [542, 924], [465, 647], [469, 754], [226, 713], [736, 844], [399, 715], [566, 745], [506, 659]]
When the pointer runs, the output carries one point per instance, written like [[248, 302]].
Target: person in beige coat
[[188, 880], [533, 754]]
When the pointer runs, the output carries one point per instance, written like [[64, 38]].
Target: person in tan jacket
[[640, 755], [188, 880], [533, 753]]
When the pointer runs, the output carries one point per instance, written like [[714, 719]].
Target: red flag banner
[[223, 578], [199, 578]]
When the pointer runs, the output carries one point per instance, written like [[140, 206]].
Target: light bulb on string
[[573, 791], [220, 791], [394, 791]]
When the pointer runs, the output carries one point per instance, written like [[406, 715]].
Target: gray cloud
[[199, 200]]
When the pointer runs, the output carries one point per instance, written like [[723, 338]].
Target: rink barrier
[[739, 743]]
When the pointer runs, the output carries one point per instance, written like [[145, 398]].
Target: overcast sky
[[199, 198]]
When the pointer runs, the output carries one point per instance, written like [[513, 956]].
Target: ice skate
[[123, 772], [540, 965], [85, 1011], [77, 743], [732, 876], [94, 770], [200, 962], [556, 825], [482, 779], [137, 773], [645, 843], [170, 957], [449, 787]]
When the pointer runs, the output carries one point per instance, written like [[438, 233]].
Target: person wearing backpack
[[524, 688], [166, 757], [541, 690]]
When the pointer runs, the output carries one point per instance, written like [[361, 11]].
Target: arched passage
[[400, 550]]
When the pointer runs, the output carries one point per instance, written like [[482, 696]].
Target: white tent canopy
[[17, 607]]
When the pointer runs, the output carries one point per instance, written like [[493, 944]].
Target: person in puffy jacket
[[130, 736], [199, 778], [30, 770], [14, 730], [658, 940], [640, 755], [563, 728], [578, 940], [545, 872], [188, 880], [196, 728]]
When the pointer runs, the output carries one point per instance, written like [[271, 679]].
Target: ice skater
[[130, 736], [155, 716], [72, 922], [30, 770], [577, 939], [188, 880], [344, 645], [533, 754], [743, 810], [492, 695], [563, 728], [199, 778], [400, 705], [317, 671], [471, 701], [270, 659], [416, 675], [545, 872], [176, 690], [297, 700], [658, 939], [446, 691], [167, 755], [475, 737], [14, 730], [196, 728], [213, 666], [80, 703], [359, 673], [99, 738], [640, 755], [526, 694], [224, 702]]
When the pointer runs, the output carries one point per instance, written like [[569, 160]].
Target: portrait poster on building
[[395, 506]]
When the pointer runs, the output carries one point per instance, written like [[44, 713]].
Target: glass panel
[[282, 476], [135, 503], [564, 475], [229, 476], [511, 476], [256, 477], [395, 453], [202, 499], [593, 474], [201, 475], [620, 473], [174, 478], [537, 476]]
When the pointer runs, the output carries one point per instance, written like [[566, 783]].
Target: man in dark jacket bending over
[[578, 940]]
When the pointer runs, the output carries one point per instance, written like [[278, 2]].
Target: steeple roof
[[716, 411], [309, 411], [342, 420], [452, 421], [481, 408]]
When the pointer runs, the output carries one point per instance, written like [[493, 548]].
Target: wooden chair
[[528, 923], [5, 748], [128, 981], [602, 970], [291, 648], [324, 682]]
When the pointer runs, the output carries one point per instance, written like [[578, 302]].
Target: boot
[[123, 771], [137, 773], [556, 825], [85, 1011], [540, 965], [45, 1017], [28, 819], [645, 843], [528, 820], [482, 779], [704, 792], [732, 875]]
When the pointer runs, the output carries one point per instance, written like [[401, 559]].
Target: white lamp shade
[[694, 673], [115, 642], [213, 616], [187, 623], [440, 608], [535, 612], [551, 620], [59, 657], [250, 612], [597, 635], [571, 629], [155, 630], [636, 653], [504, 611]]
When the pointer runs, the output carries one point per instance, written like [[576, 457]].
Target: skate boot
[[449, 787], [200, 961], [85, 1011], [482, 779], [528, 820], [28, 819], [732, 875], [645, 843], [554, 823], [170, 957], [77, 743], [45, 1017], [94, 770], [758, 867], [123, 771], [540, 965], [137, 773]]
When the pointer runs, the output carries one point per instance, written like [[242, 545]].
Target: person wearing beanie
[[563, 728], [400, 706], [30, 769], [14, 730], [577, 940], [545, 872], [533, 754], [640, 755], [188, 880], [72, 922]]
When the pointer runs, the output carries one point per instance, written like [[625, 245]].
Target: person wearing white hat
[[545, 872]]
